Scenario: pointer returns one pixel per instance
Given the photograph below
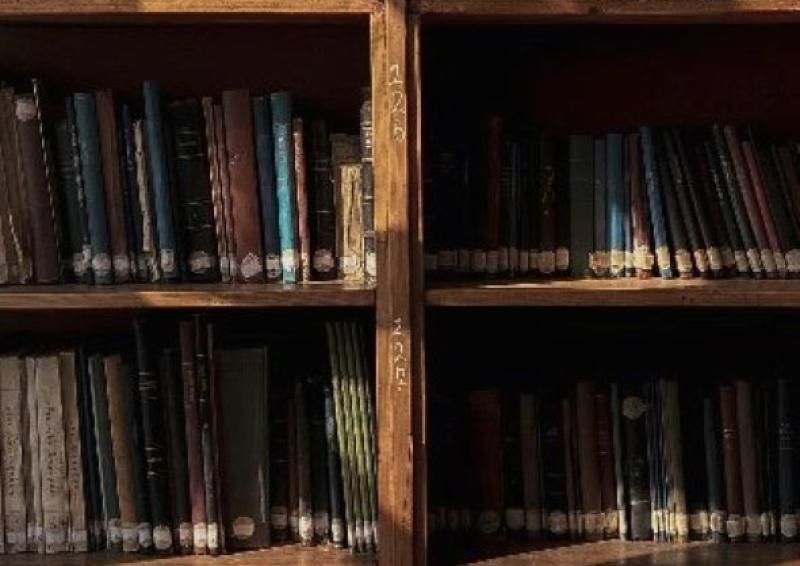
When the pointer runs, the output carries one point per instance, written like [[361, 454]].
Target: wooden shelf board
[[618, 293], [278, 556], [176, 10], [195, 296], [615, 11], [639, 553]]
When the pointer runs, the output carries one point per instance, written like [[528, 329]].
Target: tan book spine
[[349, 229], [11, 435], [35, 512], [77, 532], [119, 446], [301, 185], [52, 454]]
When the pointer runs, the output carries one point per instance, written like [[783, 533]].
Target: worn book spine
[[581, 198], [243, 186], [349, 241], [786, 461], [46, 265], [733, 256], [531, 464], [718, 516], [790, 189], [294, 498], [562, 207], [159, 177], [605, 454], [588, 460], [547, 210], [265, 159], [571, 467], [148, 260], [691, 402], [485, 422], [33, 472], [747, 459], [18, 242], [12, 442], [279, 460], [132, 212], [281, 104], [337, 525], [615, 210], [643, 258], [82, 256], [77, 534], [772, 175], [215, 183], [616, 431], [91, 165], [675, 224], [508, 257], [120, 442], [600, 260], [526, 207], [671, 419], [90, 465], [653, 460], [225, 191], [731, 463], [194, 191], [105, 455], [653, 182], [206, 528], [244, 448], [513, 490], [319, 470], [633, 419], [150, 399], [74, 221], [323, 233], [9, 268], [112, 183], [301, 182], [368, 203], [305, 508], [212, 473], [765, 423]]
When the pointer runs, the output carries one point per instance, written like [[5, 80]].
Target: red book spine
[[487, 457], [764, 209]]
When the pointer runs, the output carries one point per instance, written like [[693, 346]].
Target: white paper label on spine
[[200, 535], [185, 535], [162, 537], [754, 260], [789, 525], [753, 526], [515, 519], [547, 262], [114, 528], [683, 261], [557, 522], [200, 262], [780, 262], [321, 524], [431, 262], [337, 530], [213, 536], [717, 522], [524, 262], [279, 517], [305, 525], [250, 266], [735, 526], [533, 520], [145, 533], [463, 260], [492, 261], [502, 259], [273, 265], [562, 259], [768, 260], [740, 259], [662, 258], [323, 261], [101, 265], [793, 260], [243, 528], [446, 259], [701, 260], [167, 261], [715, 259]]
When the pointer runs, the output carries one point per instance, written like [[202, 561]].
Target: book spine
[[150, 398], [600, 259], [105, 454], [571, 471], [747, 448], [319, 471], [617, 447], [554, 484], [615, 209], [305, 516], [18, 241], [120, 442], [349, 188], [112, 182], [530, 163], [643, 258], [323, 233], [581, 198], [33, 472], [337, 525], [731, 463], [562, 207], [147, 260], [90, 465], [652, 180], [786, 461], [194, 190], [214, 177], [279, 461], [525, 207], [605, 453], [769, 163], [694, 457], [265, 159], [716, 493], [132, 213], [529, 446], [225, 191], [77, 534], [633, 419], [294, 498], [160, 182], [281, 103], [485, 420], [547, 212], [675, 223], [493, 202], [91, 165], [13, 478], [368, 201], [784, 165], [674, 460], [588, 464], [733, 256], [303, 234], [513, 489]]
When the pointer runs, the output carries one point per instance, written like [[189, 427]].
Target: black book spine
[[562, 206], [91, 485], [305, 514], [555, 488], [786, 461], [154, 441], [81, 263], [633, 418], [265, 160], [322, 204], [716, 489], [334, 472], [279, 462], [68, 191], [512, 467], [677, 231], [368, 187], [695, 464], [765, 424], [600, 262], [623, 508], [319, 463], [136, 236], [732, 250]]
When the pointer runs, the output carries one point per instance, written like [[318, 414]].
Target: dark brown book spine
[[588, 460], [567, 431], [37, 194], [747, 457], [225, 190], [243, 186], [487, 458], [294, 499], [112, 182], [194, 450], [605, 453], [215, 174], [494, 171], [301, 184], [731, 463], [547, 207], [779, 263]]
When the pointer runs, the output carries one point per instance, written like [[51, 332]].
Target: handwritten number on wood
[[397, 103]]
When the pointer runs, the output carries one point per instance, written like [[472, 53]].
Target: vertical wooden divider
[[388, 38]]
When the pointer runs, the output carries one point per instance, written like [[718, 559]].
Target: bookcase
[[195, 46]]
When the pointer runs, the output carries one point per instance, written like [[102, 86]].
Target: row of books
[[653, 459], [711, 202], [186, 447], [197, 190]]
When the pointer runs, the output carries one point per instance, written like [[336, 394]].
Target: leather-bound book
[[334, 473], [368, 202], [695, 470], [605, 454], [105, 454], [11, 442], [32, 464], [775, 253], [588, 460], [747, 458], [749, 202], [294, 499], [487, 457], [643, 258], [155, 441], [735, 525], [265, 159], [303, 228], [243, 186], [775, 181], [215, 181], [147, 253], [169, 375], [615, 201], [676, 490], [554, 477], [243, 404], [121, 440], [530, 189], [531, 464], [225, 191], [349, 241], [581, 198], [36, 184], [633, 410], [571, 468], [547, 202], [160, 184], [130, 199], [600, 259], [677, 230], [281, 104], [734, 197], [508, 254], [279, 460], [77, 535], [622, 507], [15, 236], [191, 424], [319, 462], [717, 507], [786, 461], [765, 424], [513, 494], [305, 515], [493, 202], [321, 196], [91, 471], [653, 183], [681, 187], [194, 191], [733, 257], [91, 169], [112, 182]]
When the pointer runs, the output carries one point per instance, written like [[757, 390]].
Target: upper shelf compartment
[[612, 11]]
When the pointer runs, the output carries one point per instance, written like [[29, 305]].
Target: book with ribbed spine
[[265, 160], [747, 459], [12, 441], [321, 197], [368, 174], [281, 104], [215, 182], [787, 464], [634, 433], [132, 212], [77, 533]]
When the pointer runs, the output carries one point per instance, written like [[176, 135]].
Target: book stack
[[714, 202], [240, 189], [660, 459], [187, 447]]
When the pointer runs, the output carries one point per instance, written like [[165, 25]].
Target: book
[[615, 209], [348, 187], [14, 492], [592, 518], [485, 418], [225, 192], [652, 180], [735, 524], [281, 104], [303, 233], [581, 166], [77, 532], [321, 197], [368, 175], [265, 159], [600, 259]]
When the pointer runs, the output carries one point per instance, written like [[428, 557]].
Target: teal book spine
[[281, 103]]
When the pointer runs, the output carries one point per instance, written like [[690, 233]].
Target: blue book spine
[[615, 208], [266, 187], [92, 172], [654, 201], [284, 172], [160, 182]]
